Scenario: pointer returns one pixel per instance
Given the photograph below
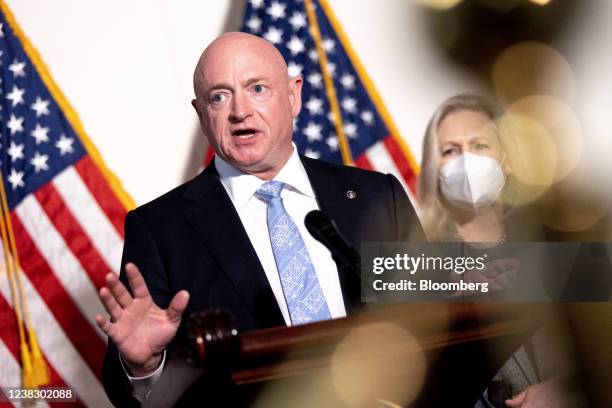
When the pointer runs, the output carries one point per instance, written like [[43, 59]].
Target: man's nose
[[241, 107]]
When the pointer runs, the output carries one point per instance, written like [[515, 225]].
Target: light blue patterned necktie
[[303, 294]]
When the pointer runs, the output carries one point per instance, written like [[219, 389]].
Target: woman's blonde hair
[[435, 219]]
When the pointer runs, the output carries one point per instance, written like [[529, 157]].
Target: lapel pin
[[351, 194]]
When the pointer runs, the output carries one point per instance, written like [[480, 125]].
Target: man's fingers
[[105, 324], [177, 305], [110, 304], [119, 292], [518, 400], [136, 281]]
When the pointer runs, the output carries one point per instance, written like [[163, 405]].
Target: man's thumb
[[517, 400]]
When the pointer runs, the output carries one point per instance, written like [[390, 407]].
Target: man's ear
[[197, 105], [295, 95]]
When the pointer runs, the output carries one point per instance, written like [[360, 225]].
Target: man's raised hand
[[139, 328]]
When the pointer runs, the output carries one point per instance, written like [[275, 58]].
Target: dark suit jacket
[[192, 238]]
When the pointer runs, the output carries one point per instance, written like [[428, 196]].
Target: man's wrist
[[137, 370]]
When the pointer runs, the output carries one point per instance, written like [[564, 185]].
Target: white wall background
[[126, 68]]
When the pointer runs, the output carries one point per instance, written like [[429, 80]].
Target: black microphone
[[324, 230]]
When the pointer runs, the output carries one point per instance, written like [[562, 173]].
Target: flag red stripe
[[98, 186], [401, 162], [208, 155], [70, 229], [363, 162], [10, 337], [77, 328]]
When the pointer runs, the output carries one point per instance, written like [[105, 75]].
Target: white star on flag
[[314, 106], [276, 10], [315, 80], [331, 68], [16, 179], [64, 144], [1, 30], [16, 96], [41, 107], [274, 35], [16, 151], [329, 45], [331, 117], [367, 117], [295, 45], [313, 154], [348, 81], [254, 24], [256, 3], [313, 55], [312, 131], [15, 124], [39, 161], [294, 69], [17, 68], [349, 105], [297, 20], [40, 134], [332, 142], [350, 129]]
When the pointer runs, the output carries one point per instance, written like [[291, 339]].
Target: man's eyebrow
[[218, 86], [254, 80], [248, 82]]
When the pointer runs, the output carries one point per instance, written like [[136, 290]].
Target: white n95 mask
[[472, 182]]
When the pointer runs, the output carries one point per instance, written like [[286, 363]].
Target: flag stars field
[[359, 120]]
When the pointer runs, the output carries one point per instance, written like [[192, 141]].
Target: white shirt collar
[[241, 186]]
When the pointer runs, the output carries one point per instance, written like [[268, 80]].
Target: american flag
[[374, 142], [67, 213]]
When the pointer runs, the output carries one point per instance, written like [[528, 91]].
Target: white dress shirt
[[298, 199]]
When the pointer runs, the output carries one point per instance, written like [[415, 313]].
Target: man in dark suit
[[233, 237]]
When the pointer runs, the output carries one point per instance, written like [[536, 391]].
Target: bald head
[[230, 45], [246, 103]]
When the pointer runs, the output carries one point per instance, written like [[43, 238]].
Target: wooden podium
[[417, 354]]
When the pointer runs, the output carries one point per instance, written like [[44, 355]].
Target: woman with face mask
[[464, 173], [465, 194]]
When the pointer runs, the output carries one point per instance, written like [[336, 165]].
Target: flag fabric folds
[[66, 210], [343, 118]]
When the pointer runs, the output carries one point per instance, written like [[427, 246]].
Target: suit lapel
[[218, 225], [331, 193]]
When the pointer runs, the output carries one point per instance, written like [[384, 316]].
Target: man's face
[[246, 106]]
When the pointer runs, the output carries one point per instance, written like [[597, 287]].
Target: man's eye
[[258, 88], [217, 98]]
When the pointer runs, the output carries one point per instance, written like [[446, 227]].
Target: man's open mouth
[[244, 133]]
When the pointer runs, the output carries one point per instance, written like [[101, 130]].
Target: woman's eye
[[448, 152], [481, 146]]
